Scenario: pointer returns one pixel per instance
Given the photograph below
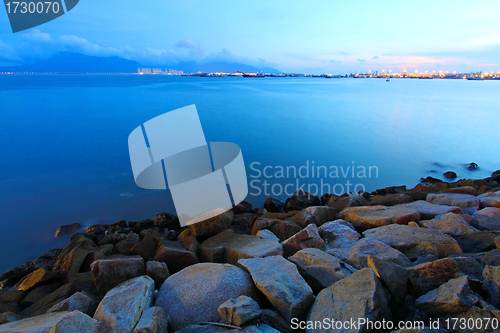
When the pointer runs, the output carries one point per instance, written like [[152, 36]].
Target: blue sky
[[301, 36]]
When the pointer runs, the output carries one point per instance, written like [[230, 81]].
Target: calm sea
[[64, 154]]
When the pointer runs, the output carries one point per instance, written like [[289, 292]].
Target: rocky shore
[[430, 254]]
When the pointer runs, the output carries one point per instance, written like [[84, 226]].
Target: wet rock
[[191, 243], [239, 311], [158, 271], [72, 257], [300, 200], [428, 276], [450, 224], [490, 199], [42, 305], [122, 307], [166, 220], [153, 320], [283, 286], [36, 278], [212, 226], [450, 175], [56, 322], [282, 229], [137, 227], [477, 242], [96, 229], [415, 241], [338, 234], [452, 297], [228, 247], [350, 201], [242, 223], [175, 255], [359, 252], [472, 166], [467, 202], [306, 238], [8, 317], [124, 246], [462, 189], [109, 273], [337, 302], [393, 276], [266, 234], [78, 301], [100, 253], [391, 199], [67, 229], [194, 294], [375, 216], [242, 207], [491, 276], [319, 269], [273, 205], [146, 248], [112, 239], [429, 211], [315, 214]]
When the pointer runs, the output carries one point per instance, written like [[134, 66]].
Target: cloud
[[361, 60], [335, 61], [344, 53], [375, 57]]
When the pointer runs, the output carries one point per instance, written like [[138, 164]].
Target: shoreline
[[359, 237]]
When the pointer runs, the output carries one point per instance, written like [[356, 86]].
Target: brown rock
[[212, 226], [35, 278], [67, 229], [465, 201], [428, 210], [100, 253], [175, 255], [8, 317], [350, 201], [306, 238], [315, 214], [273, 205], [450, 224], [239, 311], [43, 304], [72, 257], [391, 200], [124, 246], [393, 276], [109, 273], [300, 200], [375, 216], [359, 253], [153, 320], [146, 248], [428, 276], [158, 271], [282, 229], [454, 296]]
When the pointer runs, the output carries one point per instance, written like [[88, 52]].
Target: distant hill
[[78, 63]]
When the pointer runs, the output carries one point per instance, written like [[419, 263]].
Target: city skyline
[[292, 36]]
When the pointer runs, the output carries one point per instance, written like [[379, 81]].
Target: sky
[[292, 36]]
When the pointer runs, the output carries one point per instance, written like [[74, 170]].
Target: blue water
[[64, 154]]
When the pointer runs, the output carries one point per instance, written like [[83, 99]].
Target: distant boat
[[425, 77], [475, 78], [387, 80], [251, 75]]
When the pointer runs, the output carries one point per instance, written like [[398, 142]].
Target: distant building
[[144, 70], [157, 71], [175, 72]]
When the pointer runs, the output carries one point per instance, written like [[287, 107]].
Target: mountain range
[[64, 62]]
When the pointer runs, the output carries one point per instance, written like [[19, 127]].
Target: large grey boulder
[[414, 241], [319, 269], [123, 305], [239, 311], [108, 273], [279, 280], [153, 320], [367, 217], [57, 322], [360, 295], [338, 234], [194, 294], [450, 224], [454, 296], [428, 210], [229, 247], [359, 252]]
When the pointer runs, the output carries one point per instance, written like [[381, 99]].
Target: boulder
[[491, 276], [315, 214], [83, 281], [191, 243], [368, 217], [486, 222], [194, 294], [282, 229], [239, 311], [78, 301], [467, 202], [488, 212], [97, 229], [39, 292], [306, 238], [450, 174], [319, 269], [146, 248], [359, 252], [349, 201], [454, 296], [166, 220], [100, 253], [42, 305], [72, 257], [56, 322], [415, 241], [300, 200], [112, 239], [360, 295], [242, 223], [153, 320], [490, 199], [124, 246], [35, 278], [273, 205], [109, 273], [338, 234], [212, 225], [158, 271], [8, 317], [428, 276], [491, 258], [462, 189], [282, 285], [67, 229], [390, 199], [393, 276], [477, 242], [267, 234], [229, 247], [450, 224], [428, 210], [174, 255], [275, 320], [122, 307]]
